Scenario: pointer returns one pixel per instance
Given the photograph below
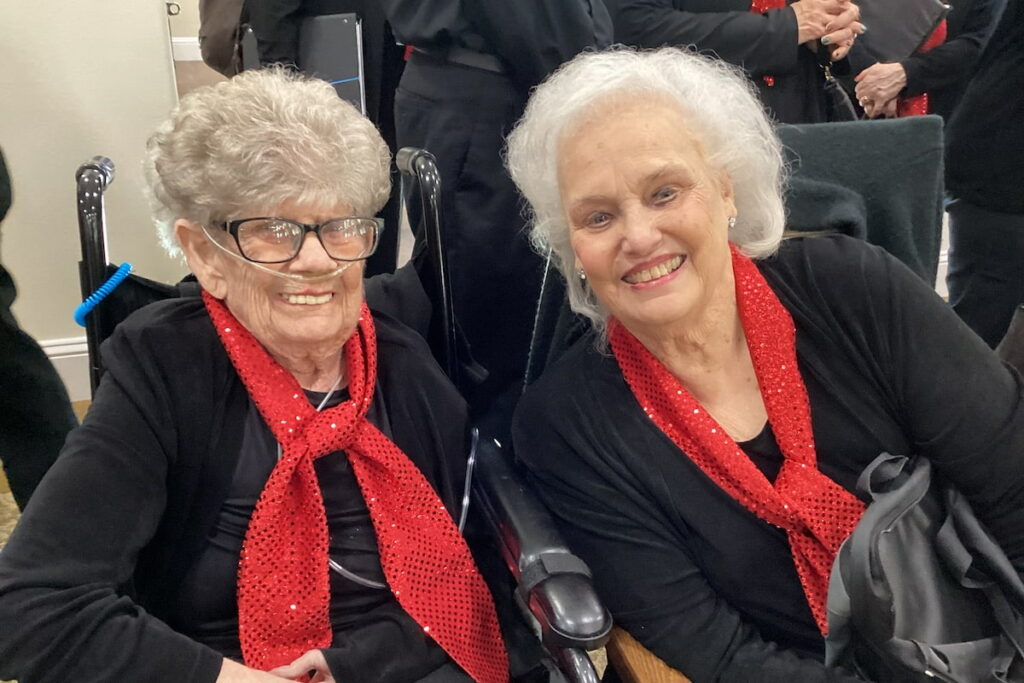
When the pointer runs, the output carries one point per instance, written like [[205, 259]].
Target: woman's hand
[[233, 672], [886, 109], [311, 661], [831, 21], [879, 83]]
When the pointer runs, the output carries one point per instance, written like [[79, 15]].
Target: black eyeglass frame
[[231, 227]]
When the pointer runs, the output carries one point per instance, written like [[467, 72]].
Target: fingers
[[841, 42], [311, 662], [301, 666], [843, 36], [848, 15]]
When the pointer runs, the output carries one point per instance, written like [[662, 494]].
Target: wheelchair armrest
[[553, 583]]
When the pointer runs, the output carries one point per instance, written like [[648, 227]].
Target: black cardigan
[[91, 570], [693, 575]]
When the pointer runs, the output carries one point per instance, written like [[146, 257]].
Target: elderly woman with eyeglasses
[[264, 486], [702, 447]]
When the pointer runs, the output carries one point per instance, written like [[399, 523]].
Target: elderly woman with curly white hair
[[264, 485], [701, 448]]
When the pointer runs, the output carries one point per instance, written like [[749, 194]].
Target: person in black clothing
[[985, 177], [700, 448], [942, 72], [216, 412], [776, 42], [35, 411], [463, 88]]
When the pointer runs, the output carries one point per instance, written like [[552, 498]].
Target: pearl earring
[[732, 222], [581, 274]]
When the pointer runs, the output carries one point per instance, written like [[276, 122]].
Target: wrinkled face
[[648, 218], [283, 314]]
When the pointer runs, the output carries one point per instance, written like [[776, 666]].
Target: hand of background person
[[880, 83], [887, 109], [313, 660], [832, 20]]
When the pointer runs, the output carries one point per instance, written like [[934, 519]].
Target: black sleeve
[[760, 43], [953, 61], [961, 406], [65, 616], [533, 37], [955, 401], [641, 568]]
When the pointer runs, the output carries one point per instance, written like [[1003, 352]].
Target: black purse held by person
[[920, 591]]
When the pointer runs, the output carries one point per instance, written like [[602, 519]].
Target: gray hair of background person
[[257, 140], [717, 102]]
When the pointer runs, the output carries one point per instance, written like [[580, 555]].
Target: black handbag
[[920, 591]]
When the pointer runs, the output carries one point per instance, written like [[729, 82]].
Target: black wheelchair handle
[[103, 165]]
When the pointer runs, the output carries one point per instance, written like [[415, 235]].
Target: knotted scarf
[[283, 582], [816, 513]]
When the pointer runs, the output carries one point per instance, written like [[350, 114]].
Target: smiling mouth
[[655, 272], [308, 299]]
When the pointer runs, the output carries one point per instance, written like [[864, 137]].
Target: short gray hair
[[717, 101], [257, 140]]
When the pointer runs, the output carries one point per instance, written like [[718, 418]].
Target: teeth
[[307, 298], [653, 273]]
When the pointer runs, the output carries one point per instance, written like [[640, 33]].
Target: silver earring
[[581, 274], [732, 222]]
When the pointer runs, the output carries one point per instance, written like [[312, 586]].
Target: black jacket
[[693, 575], [763, 44], [89, 577], [985, 139]]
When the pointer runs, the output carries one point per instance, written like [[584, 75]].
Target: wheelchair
[[553, 585]]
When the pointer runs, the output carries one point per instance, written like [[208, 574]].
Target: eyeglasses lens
[[269, 240], [349, 239]]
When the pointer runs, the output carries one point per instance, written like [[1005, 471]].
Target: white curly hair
[[257, 140], [718, 103]]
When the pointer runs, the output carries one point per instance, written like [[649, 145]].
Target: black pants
[[986, 268], [462, 114], [35, 412]]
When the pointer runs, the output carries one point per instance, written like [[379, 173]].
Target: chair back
[[420, 167], [92, 179], [887, 174]]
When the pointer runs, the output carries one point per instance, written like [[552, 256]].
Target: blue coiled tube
[[102, 293]]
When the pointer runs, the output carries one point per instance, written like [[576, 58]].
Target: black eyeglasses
[[278, 240]]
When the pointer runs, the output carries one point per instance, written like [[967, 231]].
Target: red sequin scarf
[[283, 583], [816, 513]]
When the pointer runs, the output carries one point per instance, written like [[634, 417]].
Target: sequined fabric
[[760, 7], [917, 105], [816, 513], [283, 589]]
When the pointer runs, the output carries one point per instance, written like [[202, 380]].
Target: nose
[[641, 232], [312, 257]]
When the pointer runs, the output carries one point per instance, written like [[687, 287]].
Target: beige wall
[[79, 79], [186, 24]]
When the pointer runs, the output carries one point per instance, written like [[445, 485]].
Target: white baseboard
[[71, 358], [186, 49]]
